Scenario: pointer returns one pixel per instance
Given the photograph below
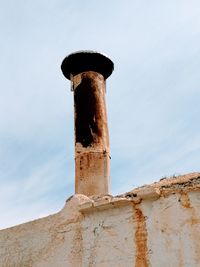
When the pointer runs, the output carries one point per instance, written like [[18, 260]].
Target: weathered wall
[[156, 225], [51, 241]]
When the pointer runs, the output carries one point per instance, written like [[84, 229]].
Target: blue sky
[[152, 96]]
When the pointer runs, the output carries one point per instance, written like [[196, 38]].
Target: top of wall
[[132, 229], [166, 186]]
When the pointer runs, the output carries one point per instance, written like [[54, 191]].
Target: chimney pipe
[[88, 71]]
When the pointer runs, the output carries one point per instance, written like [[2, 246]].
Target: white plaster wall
[[51, 241], [108, 237], [173, 226], [156, 226]]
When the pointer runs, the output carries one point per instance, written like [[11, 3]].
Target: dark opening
[[86, 107]]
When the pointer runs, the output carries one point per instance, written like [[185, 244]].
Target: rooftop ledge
[[84, 204], [165, 187]]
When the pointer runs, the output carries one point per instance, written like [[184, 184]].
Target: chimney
[[88, 71]]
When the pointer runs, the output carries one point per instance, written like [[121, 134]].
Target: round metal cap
[[81, 61]]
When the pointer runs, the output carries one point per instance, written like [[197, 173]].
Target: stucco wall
[[156, 225]]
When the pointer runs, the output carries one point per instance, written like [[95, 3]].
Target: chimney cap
[[87, 60]]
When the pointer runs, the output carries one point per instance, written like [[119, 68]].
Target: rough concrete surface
[[156, 225]]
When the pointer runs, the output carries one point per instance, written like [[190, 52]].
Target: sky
[[152, 96]]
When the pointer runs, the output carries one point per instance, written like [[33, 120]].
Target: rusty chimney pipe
[[88, 71]]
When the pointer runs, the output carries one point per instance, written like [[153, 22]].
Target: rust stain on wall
[[194, 221], [92, 170], [140, 238], [184, 200]]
